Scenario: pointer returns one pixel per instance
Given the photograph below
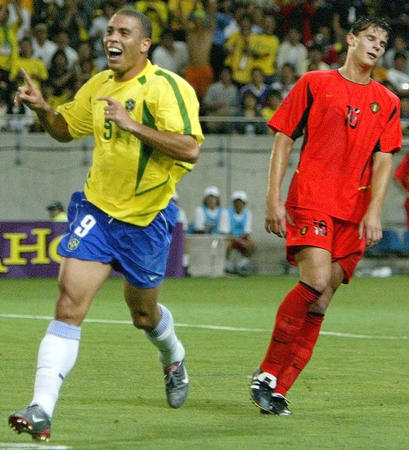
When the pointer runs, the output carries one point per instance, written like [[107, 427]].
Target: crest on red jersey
[[375, 107]]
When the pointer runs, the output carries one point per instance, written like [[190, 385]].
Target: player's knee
[[142, 320], [320, 306], [69, 311], [318, 281]]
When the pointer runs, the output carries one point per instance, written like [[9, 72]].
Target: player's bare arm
[[178, 146], [371, 222], [276, 214], [54, 123]]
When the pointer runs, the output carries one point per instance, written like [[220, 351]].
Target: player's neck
[[131, 73], [355, 73]]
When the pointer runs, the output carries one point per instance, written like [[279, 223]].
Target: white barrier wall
[[35, 170]]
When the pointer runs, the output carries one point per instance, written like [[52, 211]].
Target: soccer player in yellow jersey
[[146, 128]]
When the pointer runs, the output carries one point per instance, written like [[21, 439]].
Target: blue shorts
[[140, 253]]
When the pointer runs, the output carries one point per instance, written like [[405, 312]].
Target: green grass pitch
[[352, 395]]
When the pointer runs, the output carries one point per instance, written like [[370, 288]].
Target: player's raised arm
[[31, 96], [178, 146]]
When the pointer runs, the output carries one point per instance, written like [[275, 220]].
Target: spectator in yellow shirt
[[33, 66], [157, 12]]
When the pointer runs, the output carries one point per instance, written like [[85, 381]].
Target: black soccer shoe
[[279, 405], [261, 390]]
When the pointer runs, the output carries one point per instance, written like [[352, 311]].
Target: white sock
[[56, 357], [164, 338], [185, 260]]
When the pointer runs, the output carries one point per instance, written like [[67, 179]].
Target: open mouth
[[114, 53], [372, 55]]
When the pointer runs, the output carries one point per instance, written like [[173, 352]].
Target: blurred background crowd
[[242, 57]]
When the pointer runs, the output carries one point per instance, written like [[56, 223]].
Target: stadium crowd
[[242, 57]]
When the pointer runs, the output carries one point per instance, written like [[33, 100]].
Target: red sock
[[301, 352], [289, 320]]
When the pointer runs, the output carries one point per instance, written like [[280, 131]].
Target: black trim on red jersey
[[393, 113], [301, 124]]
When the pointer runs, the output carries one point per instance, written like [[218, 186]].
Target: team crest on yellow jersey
[[130, 104]]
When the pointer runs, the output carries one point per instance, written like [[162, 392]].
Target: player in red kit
[[401, 178], [351, 127]]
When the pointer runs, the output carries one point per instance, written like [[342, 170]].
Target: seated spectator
[[292, 51], [286, 80], [239, 49], [398, 46], [257, 87], [210, 218], [240, 219], [273, 101], [73, 19], [397, 75], [62, 80], [62, 40], [56, 212], [314, 61], [170, 54], [221, 99], [33, 66], [265, 48], [97, 30], [48, 13], [85, 67], [43, 48], [249, 109]]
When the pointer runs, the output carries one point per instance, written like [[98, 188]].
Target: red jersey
[[343, 124], [402, 172]]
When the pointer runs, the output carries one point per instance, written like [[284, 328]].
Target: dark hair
[[143, 20], [365, 22], [400, 55], [58, 53], [167, 32]]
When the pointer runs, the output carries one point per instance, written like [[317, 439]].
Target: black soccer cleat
[[279, 405], [32, 420], [261, 390]]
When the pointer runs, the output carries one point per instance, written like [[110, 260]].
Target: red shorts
[[316, 229]]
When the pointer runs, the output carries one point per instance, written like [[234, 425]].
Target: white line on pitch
[[17, 446], [209, 327]]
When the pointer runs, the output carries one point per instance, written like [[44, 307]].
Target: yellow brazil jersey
[[33, 66], [157, 13], [241, 64], [8, 45], [129, 180], [266, 47]]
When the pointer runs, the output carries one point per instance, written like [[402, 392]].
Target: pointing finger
[[109, 100], [27, 79]]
